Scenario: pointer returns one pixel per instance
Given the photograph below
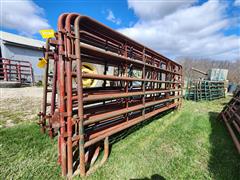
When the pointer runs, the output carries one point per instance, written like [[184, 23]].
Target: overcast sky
[[175, 28]]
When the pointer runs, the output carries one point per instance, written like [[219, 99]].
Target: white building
[[17, 47]]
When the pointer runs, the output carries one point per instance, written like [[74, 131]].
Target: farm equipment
[[86, 106], [231, 117]]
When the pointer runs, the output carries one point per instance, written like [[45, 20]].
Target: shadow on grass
[[224, 104], [153, 177], [224, 162], [120, 136], [123, 134]]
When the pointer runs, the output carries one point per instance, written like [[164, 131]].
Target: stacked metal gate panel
[[198, 90], [16, 71], [231, 117], [140, 85]]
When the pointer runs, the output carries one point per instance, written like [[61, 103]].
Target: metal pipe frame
[[198, 90], [16, 70], [87, 117], [231, 117]]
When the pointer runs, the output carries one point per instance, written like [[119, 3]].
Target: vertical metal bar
[[7, 69], [68, 64], [18, 72], [54, 84], [126, 74], [181, 85], [126, 89], [69, 116], [106, 150], [45, 84], [61, 87], [167, 78], [31, 72], [144, 80], [4, 70], [154, 77], [80, 96], [105, 73]]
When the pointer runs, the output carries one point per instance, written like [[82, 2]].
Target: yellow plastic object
[[89, 68], [42, 62], [47, 33]]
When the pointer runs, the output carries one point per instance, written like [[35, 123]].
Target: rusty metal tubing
[[17, 61], [114, 124], [236, 126], [125, 125], [113, 105], [68, 65], [161, 86], [143, 83], [54, 88], [123, 78], [231, 118], [61, 85], [122, 95], [44, 103], [235, 114], [111, 114], [20, 70], [115, 35], [110, 31], [104, 159], [234, 137], [101, 39], [108, 96], [95, 155], [112, 55], [82, 32], [237, 99], [80, 97]]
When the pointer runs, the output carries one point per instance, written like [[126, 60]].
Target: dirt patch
[[35, 92], [19, 105]]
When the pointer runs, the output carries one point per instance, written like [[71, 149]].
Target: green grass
[[26, 153], [188, 144]]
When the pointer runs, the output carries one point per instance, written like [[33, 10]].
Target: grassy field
[[188, 144]]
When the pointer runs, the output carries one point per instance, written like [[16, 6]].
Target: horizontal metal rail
[[97, 118]]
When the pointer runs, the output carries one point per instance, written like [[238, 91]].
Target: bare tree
[[207, 64]]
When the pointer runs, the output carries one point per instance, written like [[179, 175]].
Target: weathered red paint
[[88, 116]]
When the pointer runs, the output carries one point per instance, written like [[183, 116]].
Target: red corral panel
[[16, 71], [231, 118], [102, 83]]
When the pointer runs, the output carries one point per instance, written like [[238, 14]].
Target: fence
[[198, 90], [134, 85], [16, 71], [231, 117]]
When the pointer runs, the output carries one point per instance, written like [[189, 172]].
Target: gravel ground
[[19, 104], [6, 93]]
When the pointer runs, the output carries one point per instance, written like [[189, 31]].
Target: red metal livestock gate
[[135, 84], [16, 71]]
